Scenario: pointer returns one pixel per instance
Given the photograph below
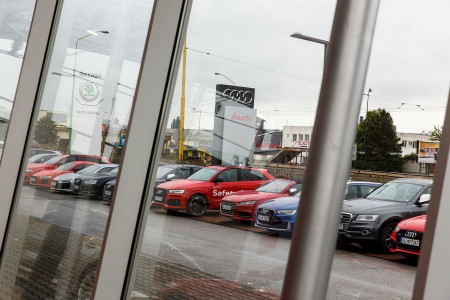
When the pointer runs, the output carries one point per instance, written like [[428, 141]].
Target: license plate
[[77, 187], [158, 198], [410, 242], [341, 226], [263, 218], [108, 193], [226, 207], [53, 185]]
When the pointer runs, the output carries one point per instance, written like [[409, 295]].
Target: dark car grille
[[159, 195], [345, 220], [412, 237], [264, 216], [65, 185], [44, 181], [227, 207]]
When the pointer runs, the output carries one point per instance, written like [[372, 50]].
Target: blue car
[[279, 214]]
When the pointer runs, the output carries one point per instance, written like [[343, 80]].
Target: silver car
[[64, 182]]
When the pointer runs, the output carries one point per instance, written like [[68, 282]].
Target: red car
[[57, 161], [44, 178], [241, 206], [407, 236], [204, 189]]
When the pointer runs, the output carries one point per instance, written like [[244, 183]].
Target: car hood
[[250, 195], [364, 205], [51, 173], [183, 183], [40, 167], [290, 202], [67, 176], [98, 176], [414, 224]]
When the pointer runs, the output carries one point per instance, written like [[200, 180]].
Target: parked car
[[57, 161], [41, 158], [372, 219], [205, 189], [280, 214], [165, 172], [44, 178], [407, 236], [64, 182], [92, 185], [241, 206], [34, 151]]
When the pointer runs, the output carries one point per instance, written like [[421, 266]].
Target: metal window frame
[[25, 101], [121, 247]]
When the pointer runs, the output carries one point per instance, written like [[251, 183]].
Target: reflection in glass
[[55, 237]]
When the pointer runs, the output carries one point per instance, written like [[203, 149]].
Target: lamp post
[[220, 74], [182, 106], [90, 32], [367, 105], [301, 36]]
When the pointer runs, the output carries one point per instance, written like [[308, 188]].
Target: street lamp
[[367, 106], [220, 74], [301, 36], [90, 32]]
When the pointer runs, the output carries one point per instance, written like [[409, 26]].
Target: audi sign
[[239, 94]]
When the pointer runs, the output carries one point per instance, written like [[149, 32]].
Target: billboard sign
[[428, 152]]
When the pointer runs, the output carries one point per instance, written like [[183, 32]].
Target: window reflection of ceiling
[[93, 15]]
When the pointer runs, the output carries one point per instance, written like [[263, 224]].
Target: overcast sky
[[249, 42]]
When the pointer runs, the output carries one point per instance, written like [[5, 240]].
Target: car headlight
[[287, 212], [247, 202], [45, 177], [367, 218], [91, 181], [176, 191]]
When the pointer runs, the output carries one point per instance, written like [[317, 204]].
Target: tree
[[46, 131], [175, 123], [379, 148], [436, 133]]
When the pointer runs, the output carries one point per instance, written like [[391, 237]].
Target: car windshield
[[115, 170], [395, 191], [163, 170], [90, 169], [274, 186], [66, 167], [204, 174], [53, 160]]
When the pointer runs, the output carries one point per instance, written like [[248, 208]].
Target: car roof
[[357, 182], [421, 181]]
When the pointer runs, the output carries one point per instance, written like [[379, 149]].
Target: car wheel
[[86, 284], [197, 205], [386, 241]]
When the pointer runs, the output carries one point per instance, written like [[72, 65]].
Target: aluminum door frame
[[315, 234], [148, 119], [25, 101]]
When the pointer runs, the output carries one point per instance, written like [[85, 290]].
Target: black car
[[166, 172], [373, 218], [92, 185]]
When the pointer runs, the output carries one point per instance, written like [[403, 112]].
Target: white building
[[409, 141], [297, 136]]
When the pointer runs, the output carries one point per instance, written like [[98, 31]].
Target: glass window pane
[[15, 21], [54, 239]]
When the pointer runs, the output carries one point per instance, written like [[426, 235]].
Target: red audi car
[[44, 178], [241, 206], [407, 236], [59, 160], [204, 189]]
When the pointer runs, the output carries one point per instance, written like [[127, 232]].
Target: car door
[[222, 185]]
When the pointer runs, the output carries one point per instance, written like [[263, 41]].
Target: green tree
[[436, 133], [379, 148], [45, 132], [175, 123]]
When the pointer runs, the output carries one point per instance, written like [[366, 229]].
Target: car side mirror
[[170, 176], [425, 198], [292, 191]]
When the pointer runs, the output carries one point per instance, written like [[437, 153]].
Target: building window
[[300, 137], [403, 143], [307, 137], [294, 137]]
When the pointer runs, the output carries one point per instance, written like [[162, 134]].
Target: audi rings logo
[[244, 97], [410, 234]]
